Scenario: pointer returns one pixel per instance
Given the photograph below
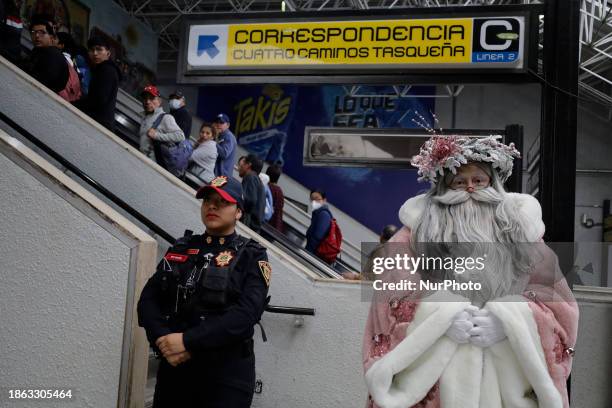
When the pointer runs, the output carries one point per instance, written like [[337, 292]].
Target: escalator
[[305, 258], [157, 195], [127, 123]]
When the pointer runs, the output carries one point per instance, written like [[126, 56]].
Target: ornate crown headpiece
[[450, 152]]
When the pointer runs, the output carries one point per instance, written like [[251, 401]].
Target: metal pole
[[558, 126], [514, 134]]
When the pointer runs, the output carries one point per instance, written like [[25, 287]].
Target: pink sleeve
[[389, 317], [556, 313]]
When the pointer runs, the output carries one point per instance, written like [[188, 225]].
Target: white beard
[[488, 226]]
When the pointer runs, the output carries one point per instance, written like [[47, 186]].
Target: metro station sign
[[356, 45]]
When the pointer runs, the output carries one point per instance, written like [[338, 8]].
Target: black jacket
[[102, 96], [49, 67], [183, 120], [254, 201]]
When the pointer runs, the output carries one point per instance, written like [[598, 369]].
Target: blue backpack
[[174, 156], [269, 209]]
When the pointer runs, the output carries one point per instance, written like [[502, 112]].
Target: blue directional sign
[[206, 44]]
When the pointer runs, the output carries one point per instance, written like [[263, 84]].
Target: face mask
[[315, 205], [174, 104]]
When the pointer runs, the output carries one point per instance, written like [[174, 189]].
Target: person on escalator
[[103, 86], [178, 109], [158, 130], [320, 224], [204, 156], [10, 31], [278, 198], [249, 168], [47, 64], [226, 146], [79, 56]]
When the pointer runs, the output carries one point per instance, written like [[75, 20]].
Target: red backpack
[[329, 248], [72, 91]]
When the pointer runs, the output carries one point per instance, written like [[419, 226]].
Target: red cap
[[150, 89]]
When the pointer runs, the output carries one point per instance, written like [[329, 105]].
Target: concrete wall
[[71, 268], [594, 152], [319, 364]]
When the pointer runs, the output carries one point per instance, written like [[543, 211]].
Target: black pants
[[206, 383]]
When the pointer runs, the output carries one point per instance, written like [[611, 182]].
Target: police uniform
[[213, 289]]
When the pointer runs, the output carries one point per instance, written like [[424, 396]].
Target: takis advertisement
[[269, 120]]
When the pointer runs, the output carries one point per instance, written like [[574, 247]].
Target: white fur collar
[[469, 376], [530, 208]]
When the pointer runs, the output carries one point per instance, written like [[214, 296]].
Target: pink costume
[[409, 362]]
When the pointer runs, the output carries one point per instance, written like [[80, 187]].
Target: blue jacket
[[319, 228], [226, 149]]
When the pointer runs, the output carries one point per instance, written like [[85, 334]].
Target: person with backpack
[[161, 139], [47, 64], [103, 86], [79, 57], [323, 237]]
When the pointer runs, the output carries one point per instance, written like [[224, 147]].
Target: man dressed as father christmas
[[508, 344]]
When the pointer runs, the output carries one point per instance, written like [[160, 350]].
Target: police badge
[[219, 181], [223, 259]]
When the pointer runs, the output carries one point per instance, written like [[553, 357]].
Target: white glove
[[461, 326], [488, 329]]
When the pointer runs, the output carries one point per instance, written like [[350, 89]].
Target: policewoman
[[200, 307]]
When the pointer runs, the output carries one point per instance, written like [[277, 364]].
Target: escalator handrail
[[311, 259], [298, 311], [90, 181], [297, 205]]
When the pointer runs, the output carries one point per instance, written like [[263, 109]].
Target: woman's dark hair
[[318, 190], [274, 171], [44, 20], [212, 128]]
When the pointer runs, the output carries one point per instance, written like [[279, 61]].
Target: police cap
[[228, 188]]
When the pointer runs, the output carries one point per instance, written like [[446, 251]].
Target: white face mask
[[175, 104], [315, 205]]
